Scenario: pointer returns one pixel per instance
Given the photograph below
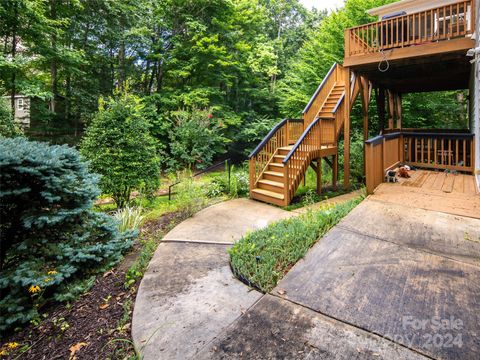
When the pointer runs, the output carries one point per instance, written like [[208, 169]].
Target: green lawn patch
[[263, 257]]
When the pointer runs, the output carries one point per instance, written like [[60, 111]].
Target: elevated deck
[[433, 32]]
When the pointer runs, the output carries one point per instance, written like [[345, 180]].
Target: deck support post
[[335, 171], [380, 99], [319, 175], [346, 132], [366, 92], [391, 109]]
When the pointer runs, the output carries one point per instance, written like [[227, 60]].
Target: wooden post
[[251, 169], [335, 171], [319, 175], [365, 94], [346, 131], [380, 97], [399, 110], [391, 109]]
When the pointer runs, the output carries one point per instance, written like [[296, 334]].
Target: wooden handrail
[[436, 24], [320, 133], [320, 87], [270, 134]]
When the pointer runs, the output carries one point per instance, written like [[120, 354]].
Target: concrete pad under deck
[[226, 222], [277, 329], [369, 273], [442, 234]]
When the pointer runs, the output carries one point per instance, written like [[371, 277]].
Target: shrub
[[8, 127], [195, 139], [263, 257], [120, 147], [49, 236]]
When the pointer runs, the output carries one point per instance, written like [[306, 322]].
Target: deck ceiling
[[433, 73]]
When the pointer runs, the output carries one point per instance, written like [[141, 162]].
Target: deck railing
[[320, 133], [431, 150], [439, 151], [336, 74], [285, 133], [441, 23]]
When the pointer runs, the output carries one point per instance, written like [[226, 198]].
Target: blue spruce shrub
[[49, 235]]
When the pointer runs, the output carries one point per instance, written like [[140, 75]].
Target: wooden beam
[[453, 45], [330, 163]]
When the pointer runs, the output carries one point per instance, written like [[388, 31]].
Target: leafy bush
[[49, 236], [263, 257], [8, 127], [195, 139], [120, 147], [129, 218], [237, 186]]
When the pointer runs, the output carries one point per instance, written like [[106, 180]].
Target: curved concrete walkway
[[189, 305], [189, 295]]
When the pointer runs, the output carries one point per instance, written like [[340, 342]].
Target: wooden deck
[[434, 190]]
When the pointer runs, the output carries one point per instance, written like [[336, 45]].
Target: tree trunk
[[121, 66], [53, 64], [14, 54]]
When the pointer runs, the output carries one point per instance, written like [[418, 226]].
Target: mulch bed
[[97, 324]]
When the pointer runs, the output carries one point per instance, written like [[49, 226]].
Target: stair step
[[269, 193], [271, 183], [278, 165], [274, 174]]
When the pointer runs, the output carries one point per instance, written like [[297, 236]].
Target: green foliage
[[195, 139], [235, 186], [254, 130], [49, 236], [263, 257], [121, 149], [323, 46], [129, 218], [8, 127], [442, 109]]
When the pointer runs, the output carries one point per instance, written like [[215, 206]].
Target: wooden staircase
[[277, 167], [271, 186]]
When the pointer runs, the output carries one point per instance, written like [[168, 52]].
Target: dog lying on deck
[[403, 172]]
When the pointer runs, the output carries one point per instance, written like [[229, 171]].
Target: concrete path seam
[[406, 246], [352, 325], [231, 323], [372, 198], [197, 242]]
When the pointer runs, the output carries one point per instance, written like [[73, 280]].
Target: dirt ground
[[96, 325]]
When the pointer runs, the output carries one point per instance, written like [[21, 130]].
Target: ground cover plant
[[263, 257]]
